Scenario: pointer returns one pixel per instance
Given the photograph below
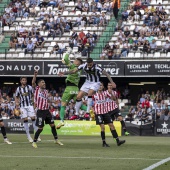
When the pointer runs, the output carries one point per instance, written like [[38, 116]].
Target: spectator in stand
[[159, 110], [20, 41], [55, 49], [86, 6], [61, 6], [136, 31], [26, 12], [165, 114], [166, 47], [13, 41], [81, 35], [142, 98], [146, 47], [137, 5], [146, 104], [62, 47], [139, 113], [40, 41], [7, 20], [126, 48], [33, 11], [153, 46], [30, 47], [79, 6], [125, 15]]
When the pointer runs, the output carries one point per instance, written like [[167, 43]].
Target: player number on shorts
[[100, 120], [39, 120]]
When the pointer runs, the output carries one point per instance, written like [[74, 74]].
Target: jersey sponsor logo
[[55, 70], [42, 96], [25, 94], [73, 92]]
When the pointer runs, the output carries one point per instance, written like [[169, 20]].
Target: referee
[[43, 113]]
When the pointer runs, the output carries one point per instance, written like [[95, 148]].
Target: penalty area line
[[54, 157], [157, 164]]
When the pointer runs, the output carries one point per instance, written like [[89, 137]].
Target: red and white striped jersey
[[111, 104], [100, 102], [41, 99]]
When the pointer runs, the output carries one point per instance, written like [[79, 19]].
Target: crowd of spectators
[[50, 19], [151, 106], [146, 24]]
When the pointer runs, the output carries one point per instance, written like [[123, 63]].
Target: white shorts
[[27, 112], [90, 86]]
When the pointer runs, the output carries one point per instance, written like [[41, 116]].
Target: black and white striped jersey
[[92, 74], [25, 95]]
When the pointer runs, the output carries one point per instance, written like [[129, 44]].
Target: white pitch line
[[157, 164], [57, 157]]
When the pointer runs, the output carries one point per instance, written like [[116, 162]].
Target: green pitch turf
[[84, 153]]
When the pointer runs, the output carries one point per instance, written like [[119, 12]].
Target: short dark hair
[[38, 81], [80, 60], [23, 78], [89, 60]]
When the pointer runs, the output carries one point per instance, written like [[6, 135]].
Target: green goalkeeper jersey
[[73, 78]]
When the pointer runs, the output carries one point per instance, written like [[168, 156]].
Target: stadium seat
[[6, 28], [168, 55], [46, 55], [156, 55], [131, 55], [159, 1], [21, 55], [137, 55], [75, 49]]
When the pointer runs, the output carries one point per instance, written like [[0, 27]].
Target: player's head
[[101, 86], [78, 61], [89, 62], [109, 86], [23, 80], [41, 83]]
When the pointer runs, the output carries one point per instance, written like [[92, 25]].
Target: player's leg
[[99, 121], [3, 131], [49, 120], [120, 118], [40, 124], [31, 114], [108, 120], [79, 100], [68, 94], [94, 87], [24, 117]]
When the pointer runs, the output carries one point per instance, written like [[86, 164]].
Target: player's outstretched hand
[[113, 85], [35, 72], [61, 74]]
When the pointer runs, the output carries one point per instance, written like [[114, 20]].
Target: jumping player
[[43, 113], [102, 116], [113, 108], [91, 84], [72, 89], [24, 99]]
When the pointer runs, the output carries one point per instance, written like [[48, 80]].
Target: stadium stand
[[75, 24], [142, 32]]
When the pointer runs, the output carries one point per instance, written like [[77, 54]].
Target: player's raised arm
[[34, 79], [68, 72], [109, 78]]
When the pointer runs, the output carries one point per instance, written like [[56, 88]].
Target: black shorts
[[103, 119], [114, 113], [1, 120], [44, 115]]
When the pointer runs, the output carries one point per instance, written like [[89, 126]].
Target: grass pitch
[[84, 153]]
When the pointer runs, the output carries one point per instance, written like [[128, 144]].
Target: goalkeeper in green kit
[[71, 89]]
